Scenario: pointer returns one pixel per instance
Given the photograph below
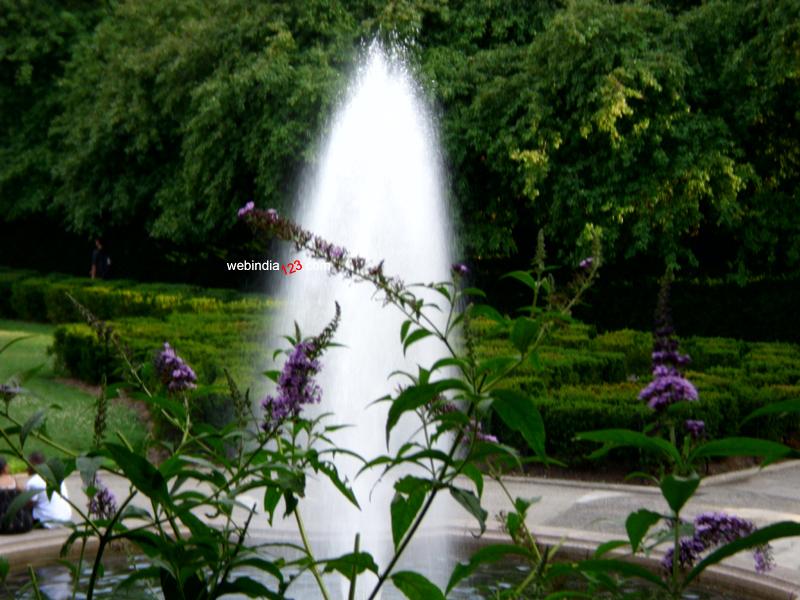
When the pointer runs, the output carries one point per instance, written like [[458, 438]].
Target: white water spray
[[378, 191]]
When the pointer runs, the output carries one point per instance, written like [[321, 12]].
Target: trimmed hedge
[[29, 296], [582, 380], [208, 342], [590, 382]]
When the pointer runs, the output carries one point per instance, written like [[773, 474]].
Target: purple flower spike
[[102, 505], [247, 209], [173, 371], [695, 428], [460, 269], [586, 263], [713, 529], [668, 385], [296, 386], [272, 216]]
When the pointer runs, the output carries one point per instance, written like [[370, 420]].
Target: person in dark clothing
[[101, 263]]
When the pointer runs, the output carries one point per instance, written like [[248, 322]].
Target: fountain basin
[[40, 549]]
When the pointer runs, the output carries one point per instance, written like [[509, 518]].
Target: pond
[[55, 584]]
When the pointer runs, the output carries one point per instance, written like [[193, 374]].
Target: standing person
[[48, 512], [101, 263]]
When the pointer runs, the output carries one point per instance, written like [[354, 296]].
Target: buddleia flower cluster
[[102, 504], [713, 529], [668, 385], [173, 370], [338, 259], [296, 384]]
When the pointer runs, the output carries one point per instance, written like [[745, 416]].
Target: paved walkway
[[567, 510]]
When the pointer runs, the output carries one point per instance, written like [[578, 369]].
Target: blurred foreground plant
[[191, 514]]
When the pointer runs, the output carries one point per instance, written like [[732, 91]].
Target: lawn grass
[[70, 411]]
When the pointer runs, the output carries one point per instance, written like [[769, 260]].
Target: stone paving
[[567, 510]]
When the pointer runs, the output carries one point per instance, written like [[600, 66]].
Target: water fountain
[[378, 191]]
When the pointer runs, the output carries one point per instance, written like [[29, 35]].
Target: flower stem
[[307, 546], [676, 556]]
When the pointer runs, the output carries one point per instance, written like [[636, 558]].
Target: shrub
[[714, 352], [636, 346], [7, 280], [208, 342], [80, 354], [33, 297]]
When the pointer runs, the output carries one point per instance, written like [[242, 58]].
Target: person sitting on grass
[[22, 520], [47, 512]]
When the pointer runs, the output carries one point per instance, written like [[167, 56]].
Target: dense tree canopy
[[672, 128]]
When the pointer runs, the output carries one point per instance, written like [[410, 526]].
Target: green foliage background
[[673, 128]]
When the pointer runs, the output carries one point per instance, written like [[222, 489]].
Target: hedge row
[[587, 381], [723, 405], [29, 296], [209, 342], [583, 380]]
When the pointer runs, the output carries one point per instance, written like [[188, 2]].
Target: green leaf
[[35, 421], [333, 475], [623, 567], [487, 554], [638, 524], [14, 341], [608, 547], [484, 310], [449, 362], [416, 587], [347, 564], [248, 587], [523, 333], [404, 329], [473, 291], [740, 446], [776, 408], [523, 277], [3, 568], [272, 375], [267, 566], [496, 365], [416, 396], [474, 473], [410, 398], [88, 466], [54, 471], [519, 413], [471, 502], [272, 495], [144, 476], [405, 507], [620, 438], [759, 537], [415, 336], [678, 490]]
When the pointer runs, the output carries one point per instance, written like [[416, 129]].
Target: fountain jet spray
[[378, 190]]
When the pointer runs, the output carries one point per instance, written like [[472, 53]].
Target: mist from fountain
[[379, 191]]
